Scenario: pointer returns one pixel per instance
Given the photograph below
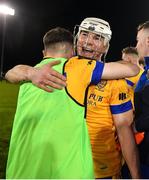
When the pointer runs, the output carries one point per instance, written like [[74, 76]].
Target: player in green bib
[[49, 137]]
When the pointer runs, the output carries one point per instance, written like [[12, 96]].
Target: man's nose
[[89, 39]]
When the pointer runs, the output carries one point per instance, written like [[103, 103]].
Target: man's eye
[[84, 34], [97, 38]]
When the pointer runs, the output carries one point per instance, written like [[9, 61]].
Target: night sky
[[24, 31]]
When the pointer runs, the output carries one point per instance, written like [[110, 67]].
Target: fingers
[[51, 81], [47, 78], [54, 83], [55, 73], [45, 88], [57, 77]]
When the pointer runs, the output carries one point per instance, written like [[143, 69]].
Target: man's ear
[[147, 41], [43, 52]]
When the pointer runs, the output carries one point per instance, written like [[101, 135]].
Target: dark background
[[24, 31]]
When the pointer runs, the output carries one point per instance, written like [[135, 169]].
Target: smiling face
[[90, 45]]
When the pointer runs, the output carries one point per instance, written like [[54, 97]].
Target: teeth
[[86, 49]]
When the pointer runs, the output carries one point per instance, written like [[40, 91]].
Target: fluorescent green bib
[[50, 137]]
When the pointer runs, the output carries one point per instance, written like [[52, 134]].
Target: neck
[[54, 55]]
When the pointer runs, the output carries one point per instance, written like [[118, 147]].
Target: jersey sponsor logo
[[95, 97], [100, 86], [122, 96], [91, 103]]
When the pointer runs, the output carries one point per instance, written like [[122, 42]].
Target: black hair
[[57, 35]]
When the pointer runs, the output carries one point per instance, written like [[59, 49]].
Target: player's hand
[[46, 78]]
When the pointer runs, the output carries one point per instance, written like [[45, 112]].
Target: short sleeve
[[120, 100], [97, 72]]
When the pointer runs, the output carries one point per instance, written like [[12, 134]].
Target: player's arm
[[122, 111], [123, 124], [118, 70], [46, 76], [41, 77]]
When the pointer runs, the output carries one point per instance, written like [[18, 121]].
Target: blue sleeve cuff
[[129, 83], [117, 109], [97, 73]]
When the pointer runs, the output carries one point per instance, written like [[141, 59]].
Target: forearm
[[43, 77], [118, 70], [129, 150], [19, 73], [133, 68]]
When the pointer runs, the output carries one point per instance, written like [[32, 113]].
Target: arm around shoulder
[[120, 69], [43, 77], [19, 73]]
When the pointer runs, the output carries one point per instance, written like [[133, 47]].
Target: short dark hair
[[130, 50], [144, 25], [57, 35]]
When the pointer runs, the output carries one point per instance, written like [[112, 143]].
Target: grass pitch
[[8, 100]]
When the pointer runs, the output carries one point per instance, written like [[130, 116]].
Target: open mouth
[[87, 50]]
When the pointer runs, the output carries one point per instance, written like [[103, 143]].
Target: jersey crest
[[100, 86]]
